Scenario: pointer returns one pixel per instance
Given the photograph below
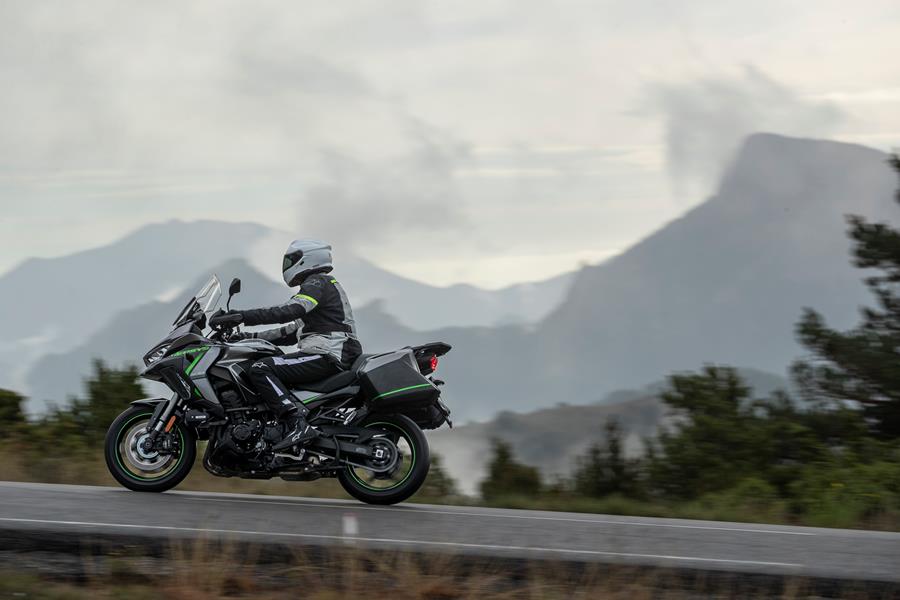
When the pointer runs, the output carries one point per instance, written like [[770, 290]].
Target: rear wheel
[[147, 471], [409, 457]]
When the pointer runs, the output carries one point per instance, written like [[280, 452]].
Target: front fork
[[162, 421]]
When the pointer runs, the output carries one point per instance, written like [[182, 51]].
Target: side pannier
[[393, 382]]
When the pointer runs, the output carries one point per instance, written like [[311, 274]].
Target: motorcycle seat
[[330, 384], [335, 382]]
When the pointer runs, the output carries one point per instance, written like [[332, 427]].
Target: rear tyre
[[405, 478], [144, 471]]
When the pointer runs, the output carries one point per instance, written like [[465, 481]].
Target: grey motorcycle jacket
[[319, 319]]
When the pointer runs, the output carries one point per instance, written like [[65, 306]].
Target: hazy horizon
[[514, 141]]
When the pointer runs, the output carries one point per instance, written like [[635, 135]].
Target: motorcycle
[[370, 416]]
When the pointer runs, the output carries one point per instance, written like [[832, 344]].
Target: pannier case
[[393, 381]]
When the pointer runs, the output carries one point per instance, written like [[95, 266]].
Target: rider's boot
[[298, 430]]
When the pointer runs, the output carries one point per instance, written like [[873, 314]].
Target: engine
[[246, 433]]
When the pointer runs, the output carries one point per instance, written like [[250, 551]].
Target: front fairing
[[190, 322], [179, 337]]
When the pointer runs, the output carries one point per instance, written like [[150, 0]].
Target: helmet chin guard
[[303, 257]]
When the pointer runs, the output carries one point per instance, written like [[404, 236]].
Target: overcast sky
[[475, 140]]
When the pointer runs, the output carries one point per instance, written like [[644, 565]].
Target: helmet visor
[[291, 259]]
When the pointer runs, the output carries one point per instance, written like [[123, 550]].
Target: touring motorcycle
[[370, 416]]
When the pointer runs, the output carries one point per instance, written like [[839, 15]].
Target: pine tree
[[604, 470], [861, 365], [507, 476], [12, 417], [109, 391], [439, 485]]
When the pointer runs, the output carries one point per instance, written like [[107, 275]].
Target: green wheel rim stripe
[[119, 458], [412, 465]]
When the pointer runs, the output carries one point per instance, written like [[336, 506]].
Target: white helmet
[[303, 257]]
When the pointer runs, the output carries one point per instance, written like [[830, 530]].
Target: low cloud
[[705, 120], [358, 202]]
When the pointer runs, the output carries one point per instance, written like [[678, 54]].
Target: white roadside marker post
[[350, 527]]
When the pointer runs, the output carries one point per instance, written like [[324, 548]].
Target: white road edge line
[[406, 542], [504, 516]]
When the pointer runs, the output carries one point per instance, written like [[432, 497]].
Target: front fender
[[149, 401]]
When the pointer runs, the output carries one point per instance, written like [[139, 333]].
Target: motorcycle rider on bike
[[318, 319]]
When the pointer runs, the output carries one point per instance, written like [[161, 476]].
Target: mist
[[705, 120]]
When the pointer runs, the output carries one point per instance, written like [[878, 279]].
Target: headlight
[[155, 355]]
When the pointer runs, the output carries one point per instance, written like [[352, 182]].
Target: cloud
[[705, 120], [358, 203], [195, 88]]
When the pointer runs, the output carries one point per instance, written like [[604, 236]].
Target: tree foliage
[[508, 477], [438, 485], [863, 364], [12, 417], [604, 469]]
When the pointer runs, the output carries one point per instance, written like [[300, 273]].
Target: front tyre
[[144, 471], [409, 472]]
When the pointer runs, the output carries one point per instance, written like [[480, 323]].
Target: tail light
[[427, 363]]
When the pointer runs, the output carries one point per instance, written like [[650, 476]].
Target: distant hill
[[55, 305], [423, 307], [132, 332], [52, 305], [553, 438], [725, 283]]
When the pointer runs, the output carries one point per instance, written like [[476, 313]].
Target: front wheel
[[143, 471], [409, 470]]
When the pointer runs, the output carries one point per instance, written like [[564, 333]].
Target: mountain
[[132, 332], [424, 307], [54, 305], [725, 283]]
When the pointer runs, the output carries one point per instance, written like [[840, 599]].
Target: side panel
[[197, 372]]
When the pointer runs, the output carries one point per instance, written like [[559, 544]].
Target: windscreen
[[209, 296], [207, 299]]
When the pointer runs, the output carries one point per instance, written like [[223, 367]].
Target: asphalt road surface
[[736, 547]]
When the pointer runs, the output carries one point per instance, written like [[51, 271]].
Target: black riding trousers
[[274, 376]]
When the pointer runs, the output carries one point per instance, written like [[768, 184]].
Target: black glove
[[226, 320], [238, 336]]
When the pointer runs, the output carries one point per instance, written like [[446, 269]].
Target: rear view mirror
[[233, 289]]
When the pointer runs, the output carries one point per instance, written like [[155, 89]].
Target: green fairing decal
[[190, 351], [412, 387], [196, 360]]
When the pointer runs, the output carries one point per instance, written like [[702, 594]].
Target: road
[[736, 547]]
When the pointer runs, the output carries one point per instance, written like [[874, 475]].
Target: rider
[[319, 320]]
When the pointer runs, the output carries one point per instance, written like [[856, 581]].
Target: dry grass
[[203, 571]]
